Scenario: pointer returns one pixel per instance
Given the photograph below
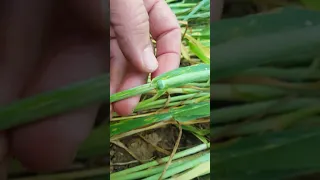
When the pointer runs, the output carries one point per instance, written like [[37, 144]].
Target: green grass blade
[[247, 53], [178, 169], [268, 152], [197, 171], [199, 49], [131, 92], [256, 25], [201, 4], [176, 100], [178, 155], [182, 76], [237, 112], [128, 125], [185, 113], [77, 95], [251, 93], [272, 123], [171, 79], [97, 144], [191, 112], [157, 169], [292, 74]]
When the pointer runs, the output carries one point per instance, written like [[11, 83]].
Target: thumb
[[130, 22]]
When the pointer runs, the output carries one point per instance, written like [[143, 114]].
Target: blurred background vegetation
[[265, 82]]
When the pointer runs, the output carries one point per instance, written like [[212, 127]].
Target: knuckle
[[132, 15]]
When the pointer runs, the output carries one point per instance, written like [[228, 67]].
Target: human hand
[[40, 52], [131, 54]]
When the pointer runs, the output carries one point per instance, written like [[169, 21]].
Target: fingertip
[[133, 78], [127, 106], [150, 62], [167, 62]]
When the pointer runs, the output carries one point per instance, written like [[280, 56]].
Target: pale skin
[[74, 49]]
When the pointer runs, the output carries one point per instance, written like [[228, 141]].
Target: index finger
[[165, 29]]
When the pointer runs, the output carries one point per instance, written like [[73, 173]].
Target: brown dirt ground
[[164, 138]]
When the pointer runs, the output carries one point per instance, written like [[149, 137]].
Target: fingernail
[[149, 60]]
